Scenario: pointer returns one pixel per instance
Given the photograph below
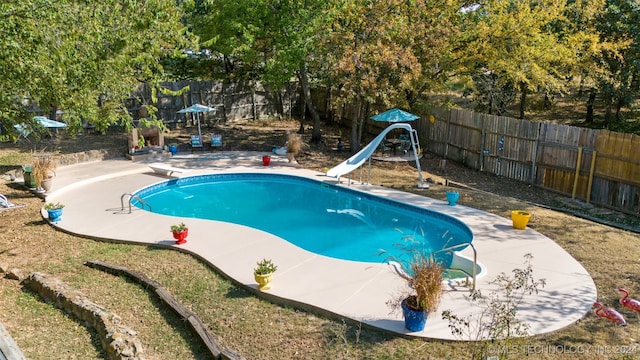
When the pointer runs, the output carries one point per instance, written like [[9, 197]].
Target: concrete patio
[[92, 194]]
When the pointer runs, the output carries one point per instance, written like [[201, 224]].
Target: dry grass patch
[[256, 328]]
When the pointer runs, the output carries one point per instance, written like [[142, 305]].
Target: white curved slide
[[361, 156]]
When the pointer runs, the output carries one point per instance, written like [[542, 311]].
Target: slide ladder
[[359, 158]]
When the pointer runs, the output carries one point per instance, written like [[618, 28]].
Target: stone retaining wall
[[119, 341], [87, 156]]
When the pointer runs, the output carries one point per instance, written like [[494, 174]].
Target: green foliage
[[141, 142], [497, 321], [388, 51], [82, 58], [85, 58], [519, 43], [179, 228], [264, 267], [618, 80], [53, 206]]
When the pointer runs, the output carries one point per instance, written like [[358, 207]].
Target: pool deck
[[92, 193]]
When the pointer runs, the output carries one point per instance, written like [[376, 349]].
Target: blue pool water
[[322, 218]]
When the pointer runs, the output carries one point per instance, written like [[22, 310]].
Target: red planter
[[266, 160], [181, 236]]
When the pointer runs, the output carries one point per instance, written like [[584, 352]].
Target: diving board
[[165, 169]]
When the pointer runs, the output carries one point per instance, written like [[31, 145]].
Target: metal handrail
[[131, 197], [475, 260]]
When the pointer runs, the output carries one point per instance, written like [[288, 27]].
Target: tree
[[386, 52], [267, 40], [618, 24], [521, 43], [84, 58]]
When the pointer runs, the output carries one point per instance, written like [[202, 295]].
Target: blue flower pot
[[173, 149], [452, 197], [413, 320], [55, 215]]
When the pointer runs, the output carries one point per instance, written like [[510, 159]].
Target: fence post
[[575, 179], [591, 171], [483, 142], [443, 162], [535, 155]]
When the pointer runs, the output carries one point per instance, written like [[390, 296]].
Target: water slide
[[363, 155]]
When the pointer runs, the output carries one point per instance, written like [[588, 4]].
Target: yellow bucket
[[520, 219]]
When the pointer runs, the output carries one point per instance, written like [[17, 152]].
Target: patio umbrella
[[48, 123], [197, 109], [25, 130], [395, 115]]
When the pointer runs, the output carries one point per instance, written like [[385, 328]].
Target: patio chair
[[196, 142], [382, 148], [216, 141], [405, 144]]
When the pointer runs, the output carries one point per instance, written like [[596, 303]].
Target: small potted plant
[[54, 211], [263, 273], [180, 233]]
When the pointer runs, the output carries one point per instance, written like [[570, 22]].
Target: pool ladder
[[132, 197], [475, 262]]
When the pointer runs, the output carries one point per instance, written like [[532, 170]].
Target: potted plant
[[452, 197], [54, 211], [180, 233], [43, 171], [520, 219], [294, 145], [173, 148], [263, 273], [424, 275]]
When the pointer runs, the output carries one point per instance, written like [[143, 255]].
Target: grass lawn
[[257, 329]]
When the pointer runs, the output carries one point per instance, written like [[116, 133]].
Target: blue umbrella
[[25, 129], [48, 123], [395, 115], [197, 108]]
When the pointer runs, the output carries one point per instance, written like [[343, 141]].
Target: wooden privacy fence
[[597, 166]]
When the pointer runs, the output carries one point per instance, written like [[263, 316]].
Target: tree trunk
[[363, 110], [355, 126], [523, 98], [608, 117], [316, 135], [619, 106], [590, 102], [490, 104], [329, 115], [303, 115]]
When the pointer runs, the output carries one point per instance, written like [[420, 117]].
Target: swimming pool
[[323, 218]]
